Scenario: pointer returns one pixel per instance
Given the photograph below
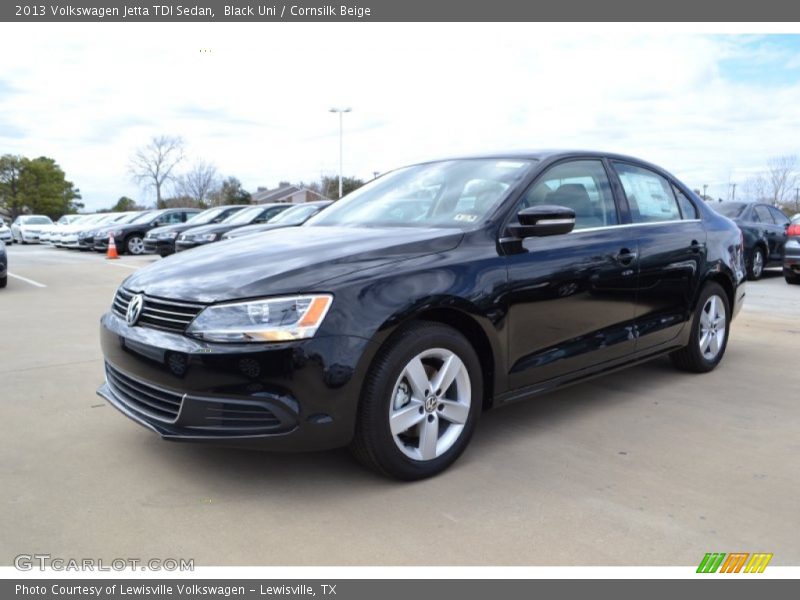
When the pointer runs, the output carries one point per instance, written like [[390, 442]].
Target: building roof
[[281, 193]]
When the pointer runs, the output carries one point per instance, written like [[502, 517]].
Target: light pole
[[341, 112], [733, 194], [705, 186]]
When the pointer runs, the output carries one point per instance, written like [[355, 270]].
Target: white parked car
[[5, 232], [46, 234], [69, 237], [26, 228]]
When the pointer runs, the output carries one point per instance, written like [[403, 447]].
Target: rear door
[[571, 297], [782, 223], [672, 249]]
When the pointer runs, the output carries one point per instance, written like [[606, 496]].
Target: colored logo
[[735, 562]]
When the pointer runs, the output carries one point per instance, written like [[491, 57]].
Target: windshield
[[453, 193], [131, 218], [210, 215], [295, 216], [37, 221], [146, 217], [729, 209], [243, 217]]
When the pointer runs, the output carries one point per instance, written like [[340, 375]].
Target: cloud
[[257, 104]]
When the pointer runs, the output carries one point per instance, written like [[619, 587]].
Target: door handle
[[625, 256]]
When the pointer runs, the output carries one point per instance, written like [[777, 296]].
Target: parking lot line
[[119, 264], [26, 280]]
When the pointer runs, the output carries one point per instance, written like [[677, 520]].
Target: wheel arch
[[467, 325]]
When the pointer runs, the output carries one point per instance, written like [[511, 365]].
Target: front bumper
[[31, 238], [159, 246], [181, 245], [285, 396]]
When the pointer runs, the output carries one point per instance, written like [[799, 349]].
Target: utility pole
[[341, 112], [733, 193], [705, 187]]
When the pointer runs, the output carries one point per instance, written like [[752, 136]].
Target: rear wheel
[[709, 336], [756, 267], [3, 281], [134, 245], [420, 403]]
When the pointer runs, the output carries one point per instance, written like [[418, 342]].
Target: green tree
[[329, 186], [10, 168], [230, 191], [42, 188], [125, 204]]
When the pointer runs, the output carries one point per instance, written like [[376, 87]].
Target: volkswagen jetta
[[389, 321]]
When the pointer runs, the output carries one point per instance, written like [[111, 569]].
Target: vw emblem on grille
[[134, 309]]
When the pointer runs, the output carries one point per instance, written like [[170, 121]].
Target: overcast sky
[[709, 108]]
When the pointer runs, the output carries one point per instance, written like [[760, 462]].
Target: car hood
[[291, 260], [177, 227], [248, 229], [218, 228]]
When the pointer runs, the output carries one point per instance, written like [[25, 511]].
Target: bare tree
[[198, 182], [152, 165], [755, 188], [782, 178]]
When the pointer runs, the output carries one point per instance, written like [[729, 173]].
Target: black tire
[[373, 444], [754, 274], [690, 358], [133, 243], [791, 278], [3, 281]]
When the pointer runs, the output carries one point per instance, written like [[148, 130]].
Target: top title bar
[[404, 10]]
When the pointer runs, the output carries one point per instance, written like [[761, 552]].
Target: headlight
[[168, 235], [207, 237], [270, 320]]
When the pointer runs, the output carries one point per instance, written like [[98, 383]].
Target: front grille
[[158, 313], [143, 397]]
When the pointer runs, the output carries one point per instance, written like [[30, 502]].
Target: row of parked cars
[[163, 231], [771, 239]]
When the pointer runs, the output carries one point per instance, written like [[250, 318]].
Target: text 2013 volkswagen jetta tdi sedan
[[390, 320]]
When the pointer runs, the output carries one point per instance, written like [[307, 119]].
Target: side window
[[649, 195], [762, 212], [778, 216], [581, 185], [688, 209]]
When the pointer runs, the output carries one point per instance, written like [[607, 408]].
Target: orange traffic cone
[[112, 248]]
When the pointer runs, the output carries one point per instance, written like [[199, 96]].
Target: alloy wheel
[[430, 404], [135, 245], [713, 327], [758, 263]]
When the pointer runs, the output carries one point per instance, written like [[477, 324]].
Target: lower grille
[[158, 313], [234, 416], [144, 398]]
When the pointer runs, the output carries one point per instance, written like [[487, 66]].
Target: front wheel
[[134, 245], [420, 403], [709, 336], [791, 278], [3, 281]]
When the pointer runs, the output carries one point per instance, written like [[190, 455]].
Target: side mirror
[[539, 221]]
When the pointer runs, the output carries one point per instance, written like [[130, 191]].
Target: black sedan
[[161, 240], [764, 230], [791, 259], [129, 237], [293, 217], [198, 236], [525, 273], [3, 265]]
